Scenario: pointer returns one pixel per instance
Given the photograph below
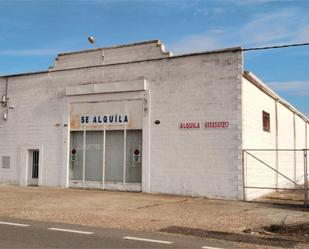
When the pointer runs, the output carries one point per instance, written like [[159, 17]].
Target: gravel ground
[[147, 212]]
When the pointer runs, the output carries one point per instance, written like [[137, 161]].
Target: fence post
[[243, 176], [305, 179]]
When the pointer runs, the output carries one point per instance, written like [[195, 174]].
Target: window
[[115, 158], [5, 162], [266, 122]]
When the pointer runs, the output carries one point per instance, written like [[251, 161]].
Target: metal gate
[[269, 170]]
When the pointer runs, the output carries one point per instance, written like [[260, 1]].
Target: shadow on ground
[[281, 205], [245, 238]]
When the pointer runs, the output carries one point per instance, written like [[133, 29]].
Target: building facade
[[136, 118]]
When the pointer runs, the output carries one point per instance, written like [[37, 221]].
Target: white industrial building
[[136, 118]]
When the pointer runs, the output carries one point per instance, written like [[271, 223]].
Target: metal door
[[76, 155], [94, 156], [134, 156], [114, 159]]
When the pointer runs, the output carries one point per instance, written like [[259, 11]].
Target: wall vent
[[6, 162]]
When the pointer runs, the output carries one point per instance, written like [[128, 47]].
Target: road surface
[[33, 234]]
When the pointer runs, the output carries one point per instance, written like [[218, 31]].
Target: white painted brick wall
[[194, 88], [285, 141], [307, 135], [189, 162], [300, 126], [37, 111], [195, 162], [256, 174], [254, 103]]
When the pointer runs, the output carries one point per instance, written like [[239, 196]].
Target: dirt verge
[[151, 212]]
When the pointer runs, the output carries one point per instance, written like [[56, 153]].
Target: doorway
[[109, 159], [33, 167]]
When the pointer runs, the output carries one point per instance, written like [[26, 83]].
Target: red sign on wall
[[207, 125], [217, 125], [190, 125]]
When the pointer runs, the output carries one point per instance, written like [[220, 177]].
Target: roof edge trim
[[258, 83], [225, 50], [111, 47]]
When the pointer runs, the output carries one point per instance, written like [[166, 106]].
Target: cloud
[[198, 42], [292, 88], [247, 2], [51, 48], [273, 28], [270, 27], [30, 52], [210, 11], [302, 34]]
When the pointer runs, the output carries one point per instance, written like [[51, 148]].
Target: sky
[[33, 32]]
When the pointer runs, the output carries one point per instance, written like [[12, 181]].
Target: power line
[[279, 46]]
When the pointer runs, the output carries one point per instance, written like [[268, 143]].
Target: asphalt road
[[32, 234]]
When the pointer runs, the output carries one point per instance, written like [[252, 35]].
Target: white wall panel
[[291, 136], [257, 174]]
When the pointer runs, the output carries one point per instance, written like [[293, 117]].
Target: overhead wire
[[277, 46]]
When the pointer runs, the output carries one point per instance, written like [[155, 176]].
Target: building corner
[[239, 113]]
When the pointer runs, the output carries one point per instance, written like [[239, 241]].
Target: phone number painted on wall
[[207, 125]]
